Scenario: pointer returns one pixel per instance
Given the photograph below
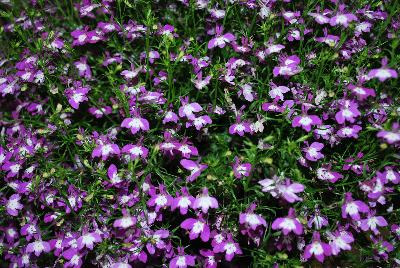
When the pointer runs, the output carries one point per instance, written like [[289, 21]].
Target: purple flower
[[105, 150], [317, 248], [13, 205], [326, 174], [349, 131], [170, 117], [306, 121], [135, 151], [38, 247], [278, 91], [288, 224], [389, 175], [100, 112], [198, 227], [240, 127], [220, 39], [348, 112], [340, 240], [342, 19], [199, 122], [318, 220], [288, 66], [383, 73], [160, 200], [391, 137], [184, 201], [133, 73], [199, 82], [125, 222], [194, 168], [136, 124], [204, 201], [182, 260], [83, 68], [187, 109], [229, 247], [313, 151], [74, 257], [76, 95], [252, 220], [372, 222], [210, 261], [353, 207], [241, 169], [88, 239], [362, 93]]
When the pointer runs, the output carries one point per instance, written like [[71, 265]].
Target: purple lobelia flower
[[132, 73], [396, 230], [313, 151], [210, 260], [187, 109], [318, 220], [83, 68], [389, 175], [182, 260], [104, 150], [241, 169], [136, 123], [288, 66], [317, 248], [38, 247], [77, 94], [74, 258], [112, 173], [194, 168], [340, 240], [306, 121], [349, 131], [282, 187], [199, 82], [156, 241], [100, 112], [186, 148], [342, 19], [135, 151], [247, 91], [372, 222], [205, 202], [250, 219], [240, 127], [170, 116], [199, 122], [361, 92], [160, 200], [353, 207], [184, 201], [390, 136], [88, 240], [198, 227], [288, 224], [229, 247], [220, 39], [348, 112], [325, 174], [278, 91], [13, 205], [383, 72], [125, 222]]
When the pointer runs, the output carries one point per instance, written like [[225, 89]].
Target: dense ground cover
[[199, 133]]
